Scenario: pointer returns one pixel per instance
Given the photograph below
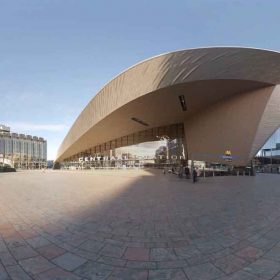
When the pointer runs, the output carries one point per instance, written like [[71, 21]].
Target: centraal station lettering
[[122, 158]]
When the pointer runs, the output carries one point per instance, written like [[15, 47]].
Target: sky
[[55, 55]]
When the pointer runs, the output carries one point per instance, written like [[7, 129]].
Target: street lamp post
[[271, 160]]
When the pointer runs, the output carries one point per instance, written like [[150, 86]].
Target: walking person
[[187, 172], [180, 173], [194, 175]]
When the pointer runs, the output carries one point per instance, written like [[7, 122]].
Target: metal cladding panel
[[171, 69], [229, 125]]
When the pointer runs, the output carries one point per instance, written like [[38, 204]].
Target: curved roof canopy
[[149, 92]]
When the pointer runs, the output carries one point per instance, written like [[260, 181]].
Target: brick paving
[[138, 225]]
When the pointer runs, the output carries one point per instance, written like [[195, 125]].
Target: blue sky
[[56, 54]]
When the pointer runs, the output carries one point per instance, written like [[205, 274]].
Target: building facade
[[22, 151], [272, 146], [217, 100]]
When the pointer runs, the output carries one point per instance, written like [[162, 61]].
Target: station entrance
[[156, 147]]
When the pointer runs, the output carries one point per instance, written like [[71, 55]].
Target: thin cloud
[[25, 126]]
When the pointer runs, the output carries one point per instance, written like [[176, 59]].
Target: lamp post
[[271, 160]]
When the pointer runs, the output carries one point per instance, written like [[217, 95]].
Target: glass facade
[[272, 147], [159, 153], [22, 151], [133, 150]]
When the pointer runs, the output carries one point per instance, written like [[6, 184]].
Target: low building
[[22, 151]]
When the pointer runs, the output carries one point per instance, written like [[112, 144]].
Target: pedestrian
[[194, 175], [187, 172], [180, 172]]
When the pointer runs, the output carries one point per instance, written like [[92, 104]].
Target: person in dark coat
[[194, 175], [187, 172]]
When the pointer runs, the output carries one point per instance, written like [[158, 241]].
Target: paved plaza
[[130, 225]]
